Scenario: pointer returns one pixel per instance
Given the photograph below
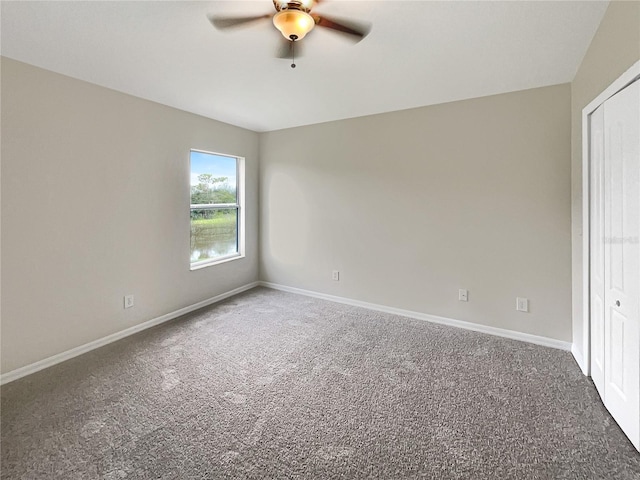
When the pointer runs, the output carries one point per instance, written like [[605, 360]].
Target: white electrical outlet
[[463, 295], [128, 301], [335, 275], [522, 304]]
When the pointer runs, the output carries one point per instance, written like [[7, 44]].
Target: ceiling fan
[[294, 20]]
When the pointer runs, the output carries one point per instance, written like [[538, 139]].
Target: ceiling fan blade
[[222, 23], [284, 49], [357, 30]]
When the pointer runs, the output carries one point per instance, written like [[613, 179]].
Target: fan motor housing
[[304, 6]]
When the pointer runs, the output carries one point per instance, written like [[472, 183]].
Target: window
[[216, 216]]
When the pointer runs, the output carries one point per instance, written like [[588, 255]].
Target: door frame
[[632, 74]]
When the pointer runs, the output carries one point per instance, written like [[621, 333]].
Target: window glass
[[214, 207]]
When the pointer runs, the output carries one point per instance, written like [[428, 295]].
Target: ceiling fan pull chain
[[293, 54]]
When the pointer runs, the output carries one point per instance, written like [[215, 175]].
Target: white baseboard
[[87, 347], [577, 354], [500, 332]]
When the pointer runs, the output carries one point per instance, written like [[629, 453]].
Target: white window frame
[[239, 206]]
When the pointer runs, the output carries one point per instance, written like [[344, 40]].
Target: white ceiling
[[418, 53]]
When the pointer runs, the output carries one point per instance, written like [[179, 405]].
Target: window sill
[[217, 261]]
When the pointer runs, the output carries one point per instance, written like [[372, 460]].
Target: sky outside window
[[216, 165]]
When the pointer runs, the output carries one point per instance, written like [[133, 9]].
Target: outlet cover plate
[[522, 304], [128, 301]]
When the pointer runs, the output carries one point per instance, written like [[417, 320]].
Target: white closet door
[[596, 248], [622, 259]]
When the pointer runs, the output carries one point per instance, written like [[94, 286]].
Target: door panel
[[622, 259], [616, 204], [617, 354]]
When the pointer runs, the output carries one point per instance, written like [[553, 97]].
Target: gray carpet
[[275, 385]]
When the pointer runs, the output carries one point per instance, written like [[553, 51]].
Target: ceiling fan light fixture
[[293, 24]]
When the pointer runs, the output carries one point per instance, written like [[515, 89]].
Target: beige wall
[[95, 206], [614, 48], [410, 206]]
